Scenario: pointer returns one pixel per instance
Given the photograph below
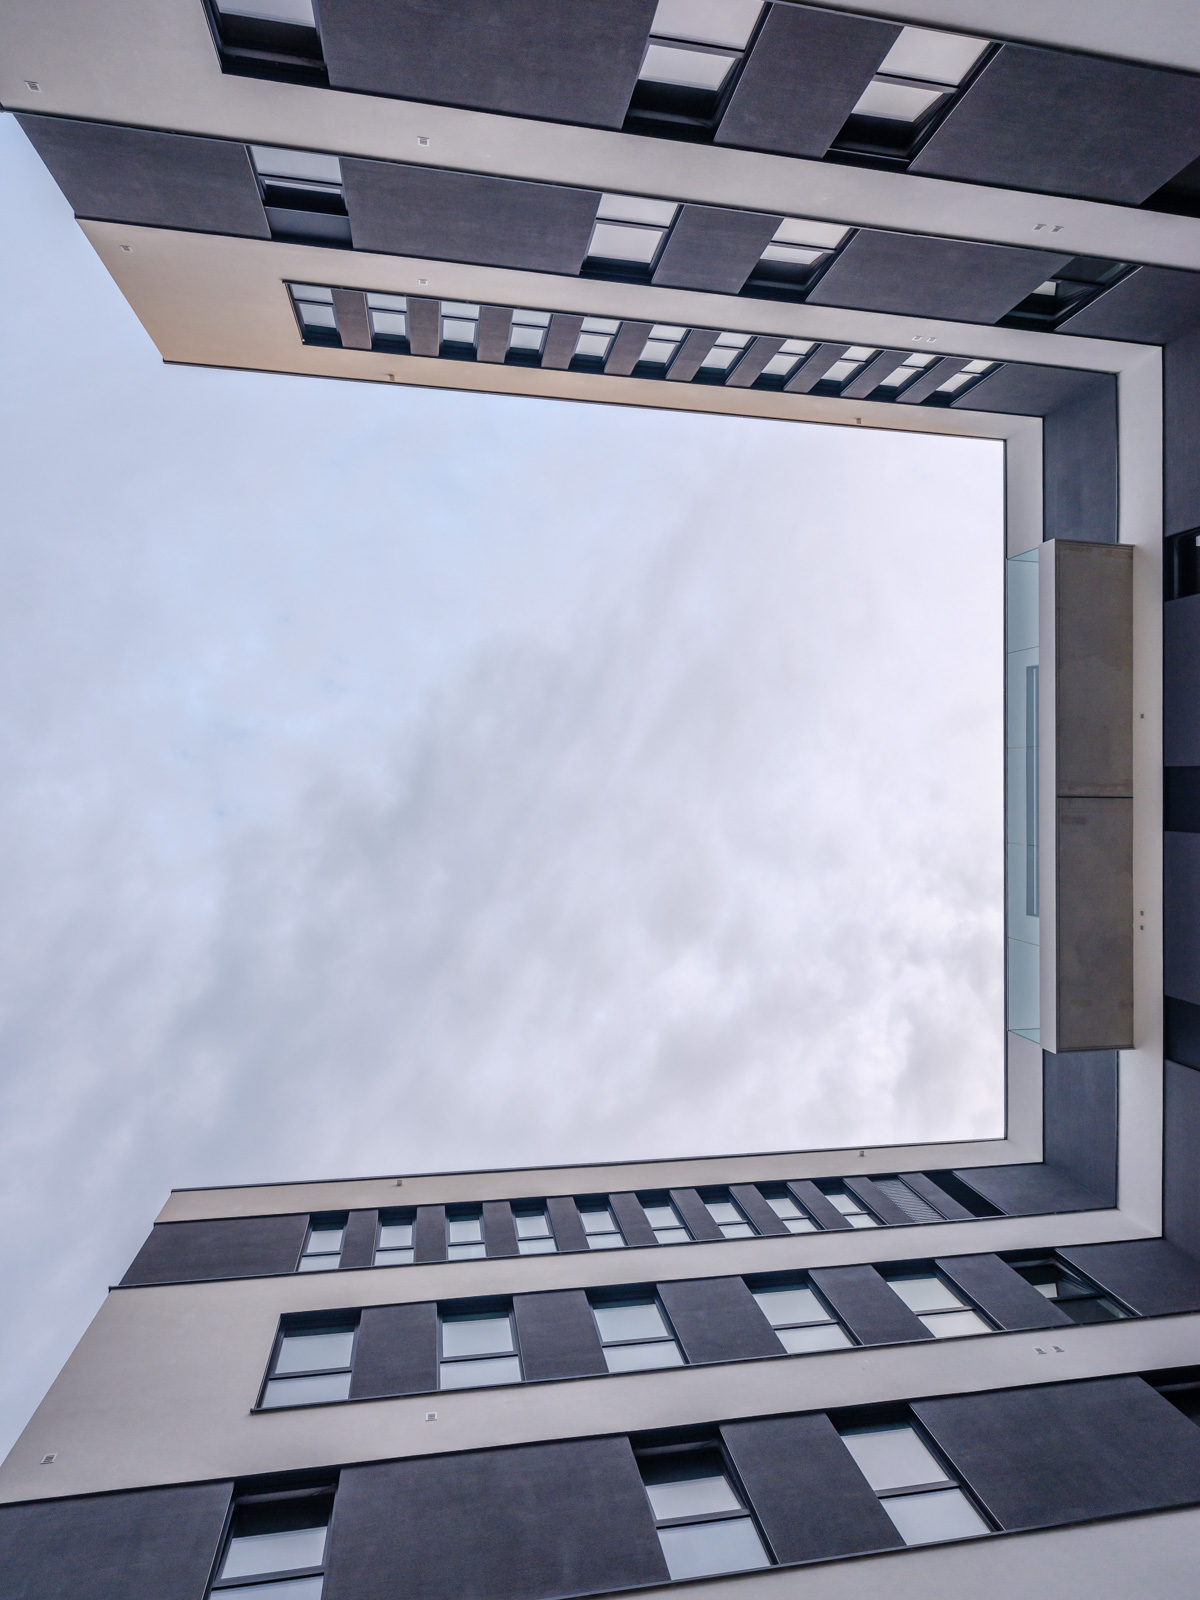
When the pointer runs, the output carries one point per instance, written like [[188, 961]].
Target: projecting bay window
[[276, 1547], [726, 1214], [535, 1236], [635, 1334], [302, 195], [464, 1233], [704, 1526], [919, 1494], [803, 1323], [789, 1212], [946, 1312], [394, 1241], [323, 1244], [311, 1364], [600, 1226], [664, 1219], [478, 1349]]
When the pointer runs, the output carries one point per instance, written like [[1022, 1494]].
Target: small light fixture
[[128, 249], [37, 89], [422, 281], [421, 139], [431, 1416], [48, 1461]]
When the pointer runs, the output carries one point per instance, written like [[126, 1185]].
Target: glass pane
[[395, 1235], [313, 1352], [783, 1306], [323, 1240], [719, 359], [393, 1258], [456, 330], [804, 1341], [605, 1241], [860, 1219], [661, 1216], [598, 325], [635, 208], [666, 330], [956, 1324], [843, 1202], [393, 324], [536, 1247], [526, 338], [934, 56], [657, 351], [616, 241], [303, 164], [317, 316], [892, 1458], [926, 1293], [800, 255], [722, 1211], [690, 69], [800, 1225], [731, 1546], [274, 1552], [592, 344], [479, 1374], [929, 1518], [640, 1321], [783, 1206], [311, 291], [597, 1221], [642, 1357], [459, 308], [897, 102], [692, 1497], [289, 1589], [318, 1264], [737, 1230], [476, 1336], [464, 1230], [532, 319], [779, 366], [798, 230], [387, 302], [672, 1236], [725, 22], [733, 341], [1098, 1309], [465, 1252], [532, 1225], [307, 1391]]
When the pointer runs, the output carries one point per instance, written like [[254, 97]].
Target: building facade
[[910, 1371]]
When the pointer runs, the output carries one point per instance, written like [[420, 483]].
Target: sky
[[399, 781]]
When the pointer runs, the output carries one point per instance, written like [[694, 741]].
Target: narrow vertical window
[[704, 1526], [535, 1236], [664, 1219], [600, 1226], [727, 1216], [394, 1242], [464, 1233], [921, 1497], [793, 1217], [323, 1244]]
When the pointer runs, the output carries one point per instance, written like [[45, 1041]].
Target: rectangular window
[[528, 332], [314, 312], [394, 1241], [600, 1226], [477, 1349], [311, 1364], [460, 325], [464, 1233], [793, 1217], [704, 1526], [802, 1321], [302, 194], [276, 1547], [855, 1213], [635, 1334], [946, 1312], [918, 1493], [727, 1216], [389, 317], [1076, 1296], [664, 1219], [535, 1236], [323, 1244]]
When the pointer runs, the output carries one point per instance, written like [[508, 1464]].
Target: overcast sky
[[399, 781]]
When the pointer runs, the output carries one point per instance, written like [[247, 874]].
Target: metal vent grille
[[913, 1207]]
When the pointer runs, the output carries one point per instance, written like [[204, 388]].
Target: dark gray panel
[[932, 378], [1079, 454], [695, 1214], [814, 367], [1181, 1031], [146, 1544], [823, 1212], [533, 58], [1181, 801], [499, 1229], [516, 1524], [1094, 923], [1069, 1452], [350, 309], [429, 1233], [749, 369], [561, 337], [873, 1313], [1001, 1293], [626, 349], [224, 1247], [689, 355], [1028, 1190], [557, 1337], [804, 75], [717, 1319], [1029, 391], [1181, 681], [937, 1198], [873, 1197], [811, 1499], [1093, 667], [1181, 1170], [873, 374], [1079, 1098], [462, 216], [1152, 1277], [1152, 305], [710, 248], [495, 324], [756, 1208], [631, 1219], [564, 1219], [160, 180], [1181, 924], [396, 1351], [358, 1246], [921, 276], [1063, 123], [424, 326], [1181, 443]]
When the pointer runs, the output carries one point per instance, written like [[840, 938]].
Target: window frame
[[713, 1447], [776, 1284], [395, 1217], [894, 1418], [492, 1310], [323, 1222], [258, 1585], [635, 1295], [298, 1324]]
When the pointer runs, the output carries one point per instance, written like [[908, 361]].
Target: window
[[394, 1242], [798, 250], [690, 60], [919, 1495], [788, 357], [1072, 1293], [802, 1321], [276, 1547], [311, 1365], [460, 324], [630, 228], [528, 332], [478, 1349], [635, 1335], [849, 364], [896, 379], [600, 1226], [726, 1215], [535, 1237], [725, 352], [662, 344], [595, 337], [855, 1213], [972, 370], [302, 194], [323, 1246], [664, 1219], [943, 1310], [921, 69], [314, 310], [269, 39], [464, 1233], [389, 316], [703, 1525], [785, 1208]]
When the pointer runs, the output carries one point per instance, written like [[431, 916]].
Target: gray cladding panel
[[1069, 1452], [145, 1544], [358, 1246], [396, 1351], [814, 367], [690, 355], [757, 1211], [811, 1499], [1181, 457], [1181, 925], [803, 77], [632, 1220], [1079, 450], [717, 1319], [936, 1197], [159, 180], [921, 276], [559, 345], [696, 1215], [499, 1229], [750, 367], [532, 58], [1028, 1190], [822, 1210], [556, 1519], [711, 248], [872, 1311], [626, 349], [429, 1234], [564, 1220], [873, 1197], [1030, 391], [1065, 123], [1181, 682], [424, 326], [462, 216], [1152, 1277], [1152, 305], [353, 323], [1079, 1096], [557, 1337], [1001, 1293], [1181, 1170], [872, 375], [1094, 923], [495, 325], [225, 1247], [931, 378]]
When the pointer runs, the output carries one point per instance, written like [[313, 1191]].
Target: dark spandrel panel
[[1026, 390], [159, 180], [223, 1247], [1181, 925], [557, 1337], [564, 1220], [499, 1229], [424, 326], [631, 1219], [1152, 1277], [145, 1544], [1001, 1293], [944, 1204], [1181, 1171], [1181, 459], [811, 1499], [1181, 799], [873, 1313], [931, 379], [717, 1319], [1181, 690], [626, 349], [1079, 1096], [350, 308], [711, 248], [872, 375], [561, 337], [814, 367], [1181, 1026], [396, 1351], [690, 355], [917, 275], [1152, 305], [495, 324], [749, 1198], [462, 216], [750, 367], [429, 1230], [696, 1215], [877, 1200], [822, 1210], [1068, 1452], [515, 1524], [358, 1246], [805, 73], [532, 58], [1030, 1189], [1079, 455]]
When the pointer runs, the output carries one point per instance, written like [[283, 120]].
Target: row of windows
[[478, 1347]]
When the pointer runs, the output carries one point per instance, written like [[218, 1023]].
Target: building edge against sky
[[975, 1364]]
